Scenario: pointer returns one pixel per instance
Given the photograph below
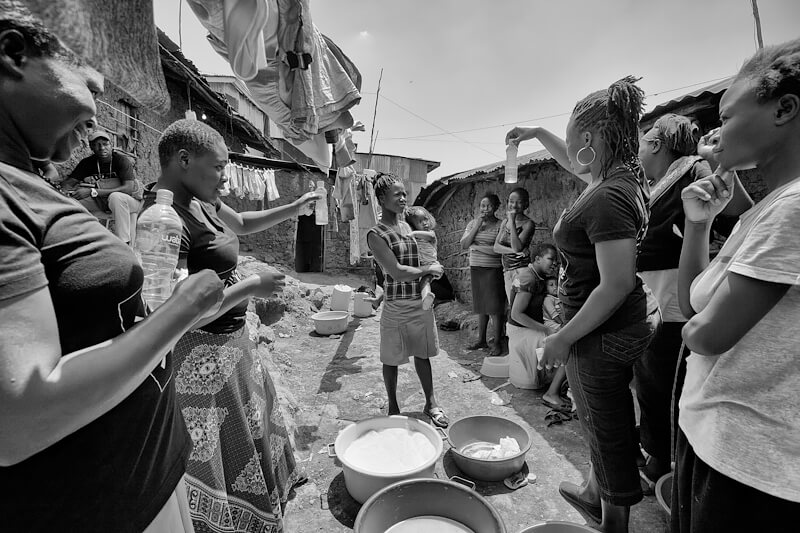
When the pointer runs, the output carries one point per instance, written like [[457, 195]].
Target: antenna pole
[[374, 115]]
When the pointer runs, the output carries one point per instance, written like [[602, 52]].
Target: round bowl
[[555, 526], [330, 322], [495, 367], [360, 483], [664, 492], [428, 497], [485, 428]]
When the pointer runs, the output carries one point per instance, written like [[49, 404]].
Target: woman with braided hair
[[737, 447], [608, 326], [406, 328]]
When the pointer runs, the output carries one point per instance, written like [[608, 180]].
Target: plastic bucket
[[361, 307], [340, 299]]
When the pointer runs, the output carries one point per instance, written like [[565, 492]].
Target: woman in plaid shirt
[[406, 328]]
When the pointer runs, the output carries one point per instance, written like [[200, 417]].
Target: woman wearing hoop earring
[[608, 323]]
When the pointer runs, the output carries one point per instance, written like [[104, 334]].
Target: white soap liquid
[[390, 451], [429, 524]]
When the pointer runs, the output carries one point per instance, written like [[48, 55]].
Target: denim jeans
[[599, 370]]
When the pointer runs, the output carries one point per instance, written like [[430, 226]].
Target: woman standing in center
[[607, 323], [406, 328]]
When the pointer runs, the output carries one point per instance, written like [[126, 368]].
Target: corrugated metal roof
[[527, 159], [703, 92]]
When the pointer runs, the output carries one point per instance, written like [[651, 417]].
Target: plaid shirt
[[404, 248]]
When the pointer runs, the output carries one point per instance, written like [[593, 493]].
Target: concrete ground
[[328, 383]]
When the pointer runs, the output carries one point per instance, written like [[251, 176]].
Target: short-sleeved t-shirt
[[741, 410], [208, 243], [484, 237], [117, 472], [614, 209], [530, 282]]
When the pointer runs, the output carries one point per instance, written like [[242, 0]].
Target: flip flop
[[437, 416], [569, 491], [564, 408]]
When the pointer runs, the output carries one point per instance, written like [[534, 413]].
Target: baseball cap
[[99, 133]]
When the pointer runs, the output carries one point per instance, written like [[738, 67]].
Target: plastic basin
[[330, 322], [360, 483], [485, 428], [428, 497], [495, 367]]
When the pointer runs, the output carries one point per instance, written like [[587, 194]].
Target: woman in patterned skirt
[[242, 466]]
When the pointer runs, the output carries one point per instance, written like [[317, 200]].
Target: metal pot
[[362, 484], [428, 497], [485, 428], [554, 526]]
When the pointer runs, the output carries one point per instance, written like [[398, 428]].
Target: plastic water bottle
[[321, 208], [158, 242], [511, 163]]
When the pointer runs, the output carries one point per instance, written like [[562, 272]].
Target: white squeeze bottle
[[158, 242], [511, 163], [321, 207]]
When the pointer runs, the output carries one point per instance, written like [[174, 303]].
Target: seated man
[[104, 182]]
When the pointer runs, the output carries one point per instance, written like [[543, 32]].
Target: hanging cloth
[[345, 192], [272, 188]]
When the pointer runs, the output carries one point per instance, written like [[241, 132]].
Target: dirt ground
[[326, 383]]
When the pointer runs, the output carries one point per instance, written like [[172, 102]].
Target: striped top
[[520, 259], [484, 237], [404, 248]]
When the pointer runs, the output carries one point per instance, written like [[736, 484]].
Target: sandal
[[437, 416]]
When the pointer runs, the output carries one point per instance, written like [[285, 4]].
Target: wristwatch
[[94, 192]]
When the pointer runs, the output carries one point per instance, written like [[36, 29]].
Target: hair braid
[[614, 114], [382, 185], [677, 133]]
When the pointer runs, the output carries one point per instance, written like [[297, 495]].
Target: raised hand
[[707, 197], [269, 284], [519, 134], [707, 145]]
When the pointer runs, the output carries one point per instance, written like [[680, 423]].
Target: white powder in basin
[[390, 451]]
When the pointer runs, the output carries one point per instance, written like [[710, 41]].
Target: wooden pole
[[758, 24], [374, 115]]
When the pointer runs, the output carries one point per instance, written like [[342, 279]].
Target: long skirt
[[242, 465]]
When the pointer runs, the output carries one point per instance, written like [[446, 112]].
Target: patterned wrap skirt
[[242, 465]]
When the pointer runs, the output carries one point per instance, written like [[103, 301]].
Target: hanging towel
[[367, 211], [345, 192], [272, 188], [355, 241]]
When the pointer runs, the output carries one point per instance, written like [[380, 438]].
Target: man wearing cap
[[104, 182]]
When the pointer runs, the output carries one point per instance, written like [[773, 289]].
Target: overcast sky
[[485, 65]]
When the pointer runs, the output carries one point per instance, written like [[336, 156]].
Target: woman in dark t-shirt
[[242, 462], [608, 326], [90, 439]]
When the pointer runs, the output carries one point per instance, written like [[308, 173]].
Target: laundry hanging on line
[[250, 182]]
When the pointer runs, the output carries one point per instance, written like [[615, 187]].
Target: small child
[[551, 307], [422, 224]]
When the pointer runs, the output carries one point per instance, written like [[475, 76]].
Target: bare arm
[[388, 262], [554, 144], [45, 396], [738, 304], [427, 236], [255, 221], [521, 301], [501, 248], [694, 259], [522, 240], [470, 233]]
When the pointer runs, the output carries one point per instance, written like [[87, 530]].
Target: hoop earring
[[578, 156]]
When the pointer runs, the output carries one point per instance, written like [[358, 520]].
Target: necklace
[[110, 165]]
